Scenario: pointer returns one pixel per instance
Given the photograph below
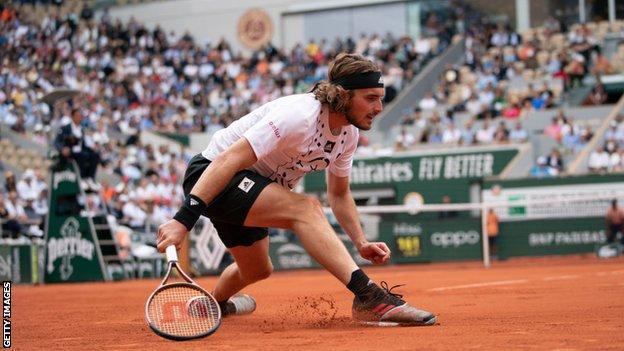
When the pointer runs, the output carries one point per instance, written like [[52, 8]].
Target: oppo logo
[[455, 239]]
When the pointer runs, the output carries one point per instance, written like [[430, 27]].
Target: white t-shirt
[[290, 138]]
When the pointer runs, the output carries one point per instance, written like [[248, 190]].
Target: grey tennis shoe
[[387, 309], [238, 304]]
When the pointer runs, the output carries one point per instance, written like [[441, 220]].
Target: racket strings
[[183, 311]]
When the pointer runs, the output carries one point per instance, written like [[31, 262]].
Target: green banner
[[551, 237], [535, 228], [426, 177], [72, 250], [288, 253], [420, 239], [20, 263]]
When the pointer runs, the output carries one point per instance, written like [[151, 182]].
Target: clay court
[[556, 303]]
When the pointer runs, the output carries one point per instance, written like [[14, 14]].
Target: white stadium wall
[[293, 21]]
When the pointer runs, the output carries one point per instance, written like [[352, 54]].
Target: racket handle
[[172, 254]]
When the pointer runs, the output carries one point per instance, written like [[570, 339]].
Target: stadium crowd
[[137, 79], [506, 77]]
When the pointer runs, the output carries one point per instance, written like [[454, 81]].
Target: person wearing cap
[[243, 180], [541, 170], [28, 187]]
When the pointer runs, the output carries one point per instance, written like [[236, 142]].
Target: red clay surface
[[571, 303]]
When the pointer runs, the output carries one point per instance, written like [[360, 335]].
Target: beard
[[359, 125]]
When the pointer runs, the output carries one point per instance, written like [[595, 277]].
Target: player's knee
[[303, 211], [312, 208], [265, 272], [259, 273]]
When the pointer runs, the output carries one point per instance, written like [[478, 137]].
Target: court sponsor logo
[[6, 314], [65, 176], [246, 184], [406, 229], [455, 239], [362, 173], [456, 166], [567, 238], [71, 244], [293, 256]]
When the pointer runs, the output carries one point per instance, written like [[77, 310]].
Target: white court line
[[560, 277], [602, 274], [478, 285]]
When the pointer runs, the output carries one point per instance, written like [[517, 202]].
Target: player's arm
[[343, 207], [213, 180], [222, 169]]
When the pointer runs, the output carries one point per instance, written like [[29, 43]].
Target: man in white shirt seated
[[518, 135], [428, 102], [404, 140], [28, 187], [132, 213], [451, 134], [598, 160], [485, 134]]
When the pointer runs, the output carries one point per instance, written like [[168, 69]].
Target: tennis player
[[243, 180]]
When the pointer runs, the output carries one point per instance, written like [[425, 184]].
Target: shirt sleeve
[[341, 167], [280, 128]]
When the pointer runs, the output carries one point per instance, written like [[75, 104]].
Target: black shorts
[[229, 208]]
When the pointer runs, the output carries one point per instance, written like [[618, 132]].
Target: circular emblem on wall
[[255, 28]]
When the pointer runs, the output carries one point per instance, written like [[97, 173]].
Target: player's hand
[[376, 252], [170, 233]]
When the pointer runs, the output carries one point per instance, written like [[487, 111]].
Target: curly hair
[[338, 98]]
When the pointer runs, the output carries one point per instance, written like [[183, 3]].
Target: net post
[[484, 236]]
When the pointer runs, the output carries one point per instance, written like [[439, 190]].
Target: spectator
[[598, 160], [518, 135], [405, 140], [71, 143], [501, 134], [468, 133], [28, 187], [615, 222], [485, 135], [451, 134], [553, 130], [16, 212], [9, 182], [541, 170], [555, 162], [33, 218], [10, 226], [428, 102], [598, 95]]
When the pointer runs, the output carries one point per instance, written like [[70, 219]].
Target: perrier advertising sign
[[72, 251]]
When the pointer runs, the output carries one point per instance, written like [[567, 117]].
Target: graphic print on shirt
[[316, 157]]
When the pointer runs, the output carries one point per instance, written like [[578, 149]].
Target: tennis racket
[[181, 310]]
